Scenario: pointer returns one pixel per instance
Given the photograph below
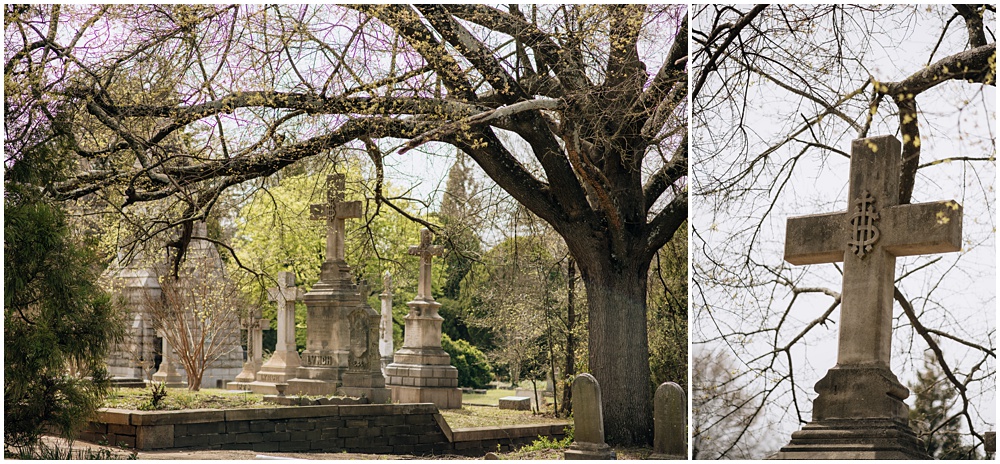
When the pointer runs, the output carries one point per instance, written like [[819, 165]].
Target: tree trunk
[[570, 370], [619, 348]]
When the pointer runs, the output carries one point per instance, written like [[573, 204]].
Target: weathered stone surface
[[859, 412], [421, 364], [385, 348], [588, 421], [518, 403], [329, 302], [669, 422], [853, 439], [990, 442], [284, 362]]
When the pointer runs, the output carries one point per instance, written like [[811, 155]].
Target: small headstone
[[479, 391], [669, 431], [588, 421], [491, 456], [517, 403], [990, 442]]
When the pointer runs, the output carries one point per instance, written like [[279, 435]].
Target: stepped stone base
[[238, 386], [442, 397], [853, 439], [582, 450], [130, 382], [423, 383], [311, 387]]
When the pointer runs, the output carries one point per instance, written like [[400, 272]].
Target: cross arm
[[923, 228], [816, 238]]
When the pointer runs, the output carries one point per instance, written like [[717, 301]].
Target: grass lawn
[[485, 416], [181, 398], [491, 396]]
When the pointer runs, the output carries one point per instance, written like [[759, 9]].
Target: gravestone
[[364, 378], [517, 403], [284, 362], [859, 411], [421, 372], [255, 352], [588, 421], [167, 373], [669, 417], [341, 328], [385, 326], [990, 442]]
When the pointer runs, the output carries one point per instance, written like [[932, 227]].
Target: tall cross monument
[[426, 252], [421, 372], [341, 355], [859, 411]]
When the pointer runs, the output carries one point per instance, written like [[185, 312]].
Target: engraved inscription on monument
[[864, 234]]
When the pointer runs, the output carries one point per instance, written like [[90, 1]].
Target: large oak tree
[[578, 112]]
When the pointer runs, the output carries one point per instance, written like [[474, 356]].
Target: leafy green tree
[[274, 233], [473, 368], [932, 415], [58, 323]]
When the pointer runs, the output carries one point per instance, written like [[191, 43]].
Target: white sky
[[967, 292]]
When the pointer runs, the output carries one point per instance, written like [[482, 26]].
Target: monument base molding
[[585, 451], [854, 439], [442, 397]]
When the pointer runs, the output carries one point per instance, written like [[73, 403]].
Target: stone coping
[[197, 416], [495, 432]]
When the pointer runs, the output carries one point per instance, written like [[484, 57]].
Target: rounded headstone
[[587, 416], [669, 414]]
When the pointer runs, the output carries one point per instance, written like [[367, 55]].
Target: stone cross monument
[[342, 329], [385, 327], [284, 362], [859, 411], [255, 352], [421, 372]]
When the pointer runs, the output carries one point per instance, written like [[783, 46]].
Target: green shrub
[[58, 323], [473, 368]]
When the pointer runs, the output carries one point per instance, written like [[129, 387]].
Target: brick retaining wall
[[368, 428]]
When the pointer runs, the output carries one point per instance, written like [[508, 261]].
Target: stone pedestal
[[325, 358], [284, 362], [255, 353], [859, 414], [364, 378], [167, 374], [385, 324], [421, 372]]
